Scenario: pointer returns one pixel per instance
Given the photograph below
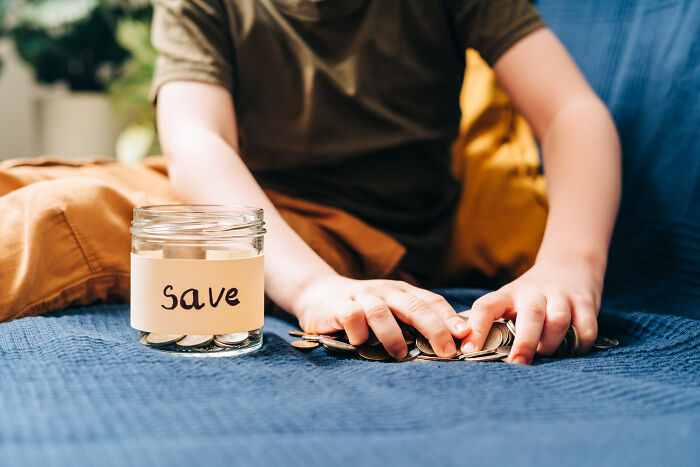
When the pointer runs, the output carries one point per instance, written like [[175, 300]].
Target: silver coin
[[487, 358], [157, 339], [411, 355], [504, 349], [311, 337], [224, 345], [478, 353], [333, 344], [511, 327], [424, 345], [605, 342], [494, 340], [195, 340], [232, 339]]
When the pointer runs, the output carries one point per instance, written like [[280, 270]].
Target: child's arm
[[581, 153], [198, 134]]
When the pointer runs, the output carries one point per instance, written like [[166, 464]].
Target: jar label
[[197, 296]]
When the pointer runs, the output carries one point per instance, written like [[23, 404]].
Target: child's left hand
[[546, 299]]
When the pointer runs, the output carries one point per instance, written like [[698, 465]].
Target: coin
[[435, 358], [411, 355], [311, 337], [487, 358], [232, 339], [424, 345], [605, 342], [577, 342], [224, 345], [157, 339], [373, 352], [296, 333], [304, 345], [478, 353], [494, 340], [504, 349], [144, 339], [333, 344], [195, 340], [510, 324]]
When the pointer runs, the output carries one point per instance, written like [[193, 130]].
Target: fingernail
[[519, 360], [449, 349], [469, 347], [461, 327]]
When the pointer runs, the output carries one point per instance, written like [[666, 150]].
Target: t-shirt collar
[[318, 10]]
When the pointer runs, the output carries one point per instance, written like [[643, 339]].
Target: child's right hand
[[332, 303]]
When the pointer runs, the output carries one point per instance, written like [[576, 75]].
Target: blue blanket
[[75, 389]]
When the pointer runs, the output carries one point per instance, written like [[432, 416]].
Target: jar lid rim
[[221, 209]]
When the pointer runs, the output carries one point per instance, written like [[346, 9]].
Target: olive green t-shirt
[[348, 103]]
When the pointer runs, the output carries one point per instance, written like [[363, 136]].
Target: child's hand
[[545, 300], [332, 303]]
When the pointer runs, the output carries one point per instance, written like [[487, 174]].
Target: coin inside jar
[[235, 338], [156, 339], [195, 340]]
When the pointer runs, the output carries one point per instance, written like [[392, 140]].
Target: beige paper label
[[197, 296]]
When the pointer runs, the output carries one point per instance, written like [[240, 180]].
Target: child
[[350, 106]]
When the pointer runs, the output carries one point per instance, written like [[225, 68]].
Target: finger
[[556, 322], [412, 310], [354, 322], [443, 309], [585, 312], [482, 315], [384, 325], [530, 311]]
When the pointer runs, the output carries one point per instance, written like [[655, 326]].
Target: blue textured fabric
[[76, 389], [643, 59]]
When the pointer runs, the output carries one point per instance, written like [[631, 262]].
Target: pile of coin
[[200, 343], [497, 346]]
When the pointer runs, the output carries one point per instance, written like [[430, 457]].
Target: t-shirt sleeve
[[193, 42], [491, 27]]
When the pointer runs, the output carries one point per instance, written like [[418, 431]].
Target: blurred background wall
[[17, 118], [74, 79]]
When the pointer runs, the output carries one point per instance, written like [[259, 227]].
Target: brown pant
[[66, 238]]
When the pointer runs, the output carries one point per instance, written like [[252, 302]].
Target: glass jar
[[197, 278]]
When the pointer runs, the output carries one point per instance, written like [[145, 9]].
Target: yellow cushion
[[503, 207]]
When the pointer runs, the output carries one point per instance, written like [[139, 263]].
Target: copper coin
[[373, 352], [296, 333], [424, 345], [304, 345]]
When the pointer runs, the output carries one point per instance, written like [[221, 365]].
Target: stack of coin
[[200, 343], [497, 346]]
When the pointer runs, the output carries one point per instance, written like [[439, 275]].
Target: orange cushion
[[503, 207]]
